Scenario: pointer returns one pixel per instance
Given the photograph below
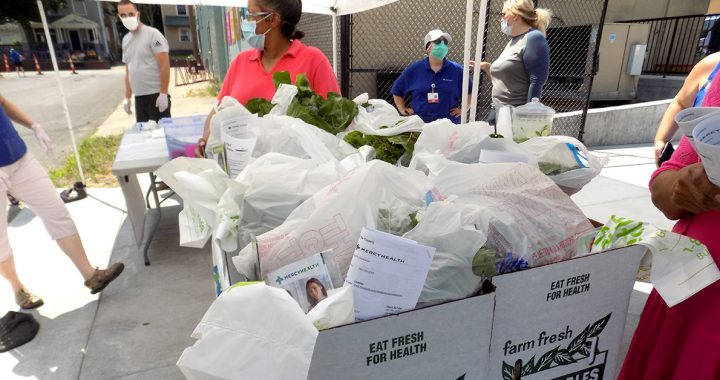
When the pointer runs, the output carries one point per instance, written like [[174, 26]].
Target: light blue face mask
[[439, 51], [255, 40]]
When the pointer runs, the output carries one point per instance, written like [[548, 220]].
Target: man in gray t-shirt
[[147, 66]]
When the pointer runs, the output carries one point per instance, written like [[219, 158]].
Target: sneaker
[[102, 277], [27, 300]]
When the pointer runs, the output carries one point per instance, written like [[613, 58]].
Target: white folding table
[[141, 152]]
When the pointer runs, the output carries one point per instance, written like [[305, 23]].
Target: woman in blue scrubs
[[434, 83]]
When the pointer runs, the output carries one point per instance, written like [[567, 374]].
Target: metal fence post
[[670, 48], [345, 55], [593, 71]]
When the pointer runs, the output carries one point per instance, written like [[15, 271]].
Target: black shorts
[[146, 110], [18, 64]]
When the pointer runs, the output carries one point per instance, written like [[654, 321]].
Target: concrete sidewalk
[[139, 326]]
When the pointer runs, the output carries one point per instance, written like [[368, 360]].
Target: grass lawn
[[212, 89], [97, 155]]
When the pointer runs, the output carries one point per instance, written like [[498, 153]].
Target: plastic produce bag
[[227, 109], [375, 195], [524, 213], [284, 95], [450, 228], [278, 134], [461, 143], [200, 183], [681, 266], [272, 186], [251, 332], [380, 118], [294, 137], [565, 160], [335, 310]]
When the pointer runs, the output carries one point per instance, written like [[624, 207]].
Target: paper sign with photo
[[306, 280]]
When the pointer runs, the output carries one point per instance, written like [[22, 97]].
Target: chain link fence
[[375, 47]]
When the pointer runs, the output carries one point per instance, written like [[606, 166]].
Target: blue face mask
[[439, 51], [255, 40]]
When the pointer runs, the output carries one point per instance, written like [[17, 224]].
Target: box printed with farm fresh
[[564, 322]]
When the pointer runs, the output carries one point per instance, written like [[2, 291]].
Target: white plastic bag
[[523, 212], [380, 118], [568, 154], [272, 186], [251, 332], [294, 137], [200, 183], [335, 310], [279, 133], [450, 228], [461, 143], [334, 217], [681, 266], [227, 109], [282, 99]]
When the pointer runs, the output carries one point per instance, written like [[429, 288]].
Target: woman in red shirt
[[270, 30]]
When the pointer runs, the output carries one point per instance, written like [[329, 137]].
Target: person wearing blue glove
[[433, 83]]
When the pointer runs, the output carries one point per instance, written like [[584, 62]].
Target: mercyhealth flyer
[[307, 280]]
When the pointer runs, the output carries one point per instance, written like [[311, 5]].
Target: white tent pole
[[335, 42], [478, 58], [466, 60], [60, 86]]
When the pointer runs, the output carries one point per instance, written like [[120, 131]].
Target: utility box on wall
[[636, 59], [622, 52]]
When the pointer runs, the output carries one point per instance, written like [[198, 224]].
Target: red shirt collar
[[292, 51]]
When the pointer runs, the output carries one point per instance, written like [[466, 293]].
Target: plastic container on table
[[182, 134], [531, 120]]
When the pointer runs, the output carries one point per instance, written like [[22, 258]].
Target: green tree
[[24, 11]]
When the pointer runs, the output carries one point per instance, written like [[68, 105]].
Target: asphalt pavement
[[92, 95]]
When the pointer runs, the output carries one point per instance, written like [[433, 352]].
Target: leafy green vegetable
[[333, 114], [483, 263], [395, 226], [281, 77], [550, 169], [259, 106], [389, 149]]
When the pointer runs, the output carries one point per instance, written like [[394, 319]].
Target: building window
[[181, 10], [184, 34], [91, 35], [79, 8]]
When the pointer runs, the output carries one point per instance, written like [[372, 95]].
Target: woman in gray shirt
[[521, 70]]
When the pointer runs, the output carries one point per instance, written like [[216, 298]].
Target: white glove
[[42, 138], [162, 102], [127, 105], [4, 181]]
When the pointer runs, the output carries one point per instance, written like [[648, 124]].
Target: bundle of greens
[[333, 114], [387, 148], [551, 169], [389, 223]]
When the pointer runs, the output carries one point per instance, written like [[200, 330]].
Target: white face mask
[[505, 27], [131, 23]]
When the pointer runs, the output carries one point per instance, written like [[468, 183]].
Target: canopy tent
[[333, 8]]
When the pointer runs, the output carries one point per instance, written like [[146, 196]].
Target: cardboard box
[[559, 321]]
